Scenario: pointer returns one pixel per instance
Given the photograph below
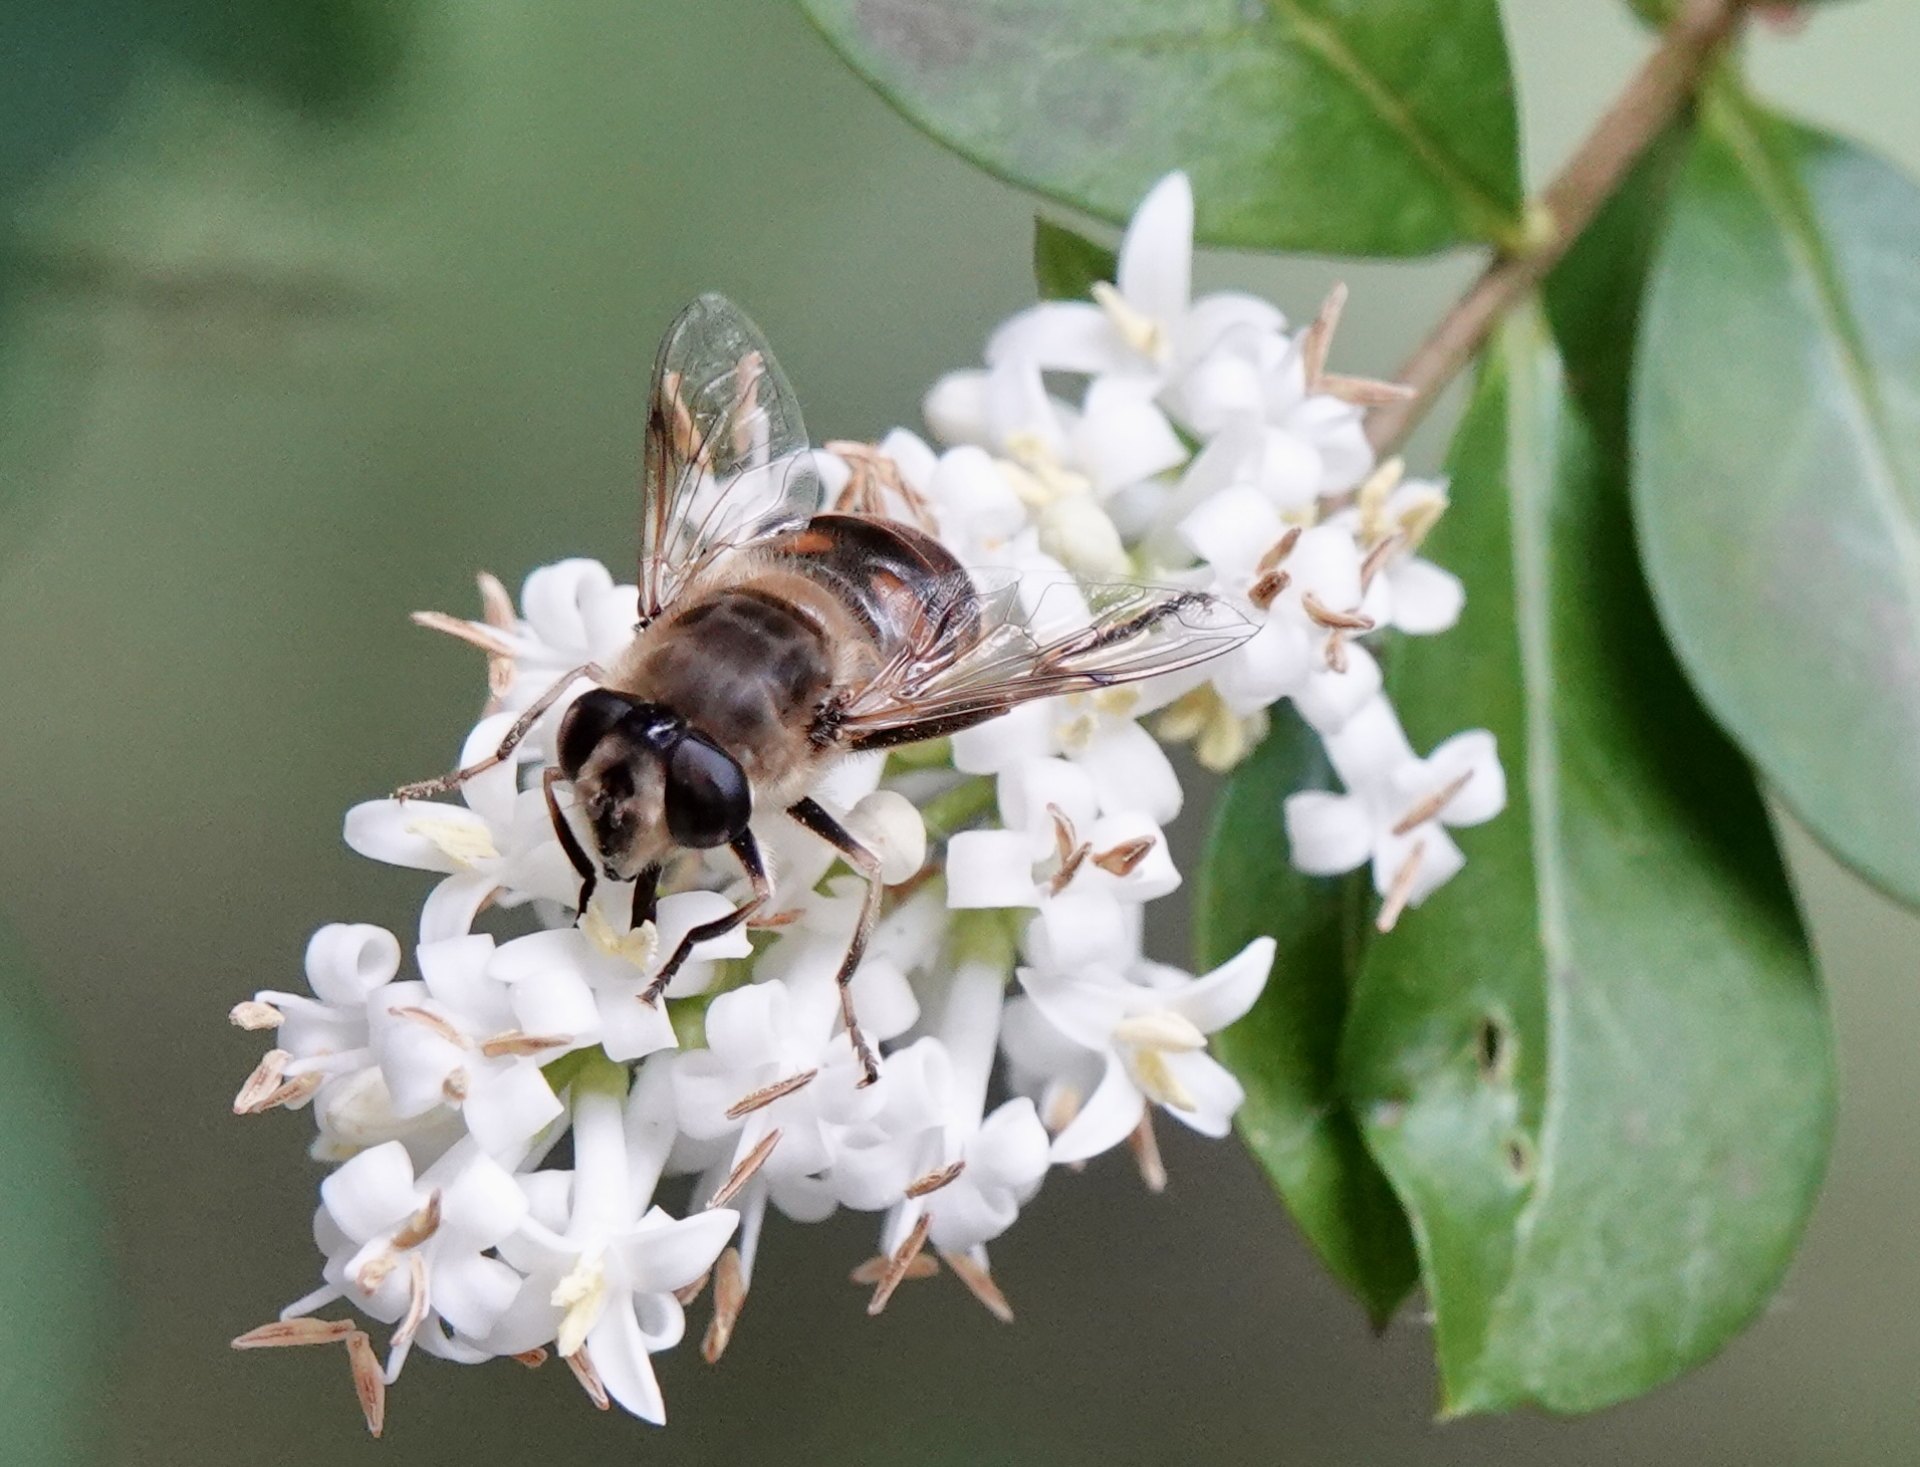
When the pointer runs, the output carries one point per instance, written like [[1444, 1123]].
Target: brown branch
[[1663, 85]]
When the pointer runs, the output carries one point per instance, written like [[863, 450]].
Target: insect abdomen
[[889, 575]]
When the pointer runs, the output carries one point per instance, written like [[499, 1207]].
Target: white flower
[[586, 981], [452, 1040], [1151, 1046], [1147, 321], [600, 1284], [500, 844], [1397, 807], [412, 1251], [1390, 519]]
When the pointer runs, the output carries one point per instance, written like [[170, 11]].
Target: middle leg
[[815, 818]]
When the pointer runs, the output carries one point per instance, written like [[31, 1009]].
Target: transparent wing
[[975, 653], [727, 458]]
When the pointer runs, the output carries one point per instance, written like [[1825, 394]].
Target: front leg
[[816, 819], [747, 850], [522, 725]]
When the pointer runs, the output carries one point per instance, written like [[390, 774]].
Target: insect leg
[[508, 743], [748, 851], [646, 896], [810, 814], [569, 842]]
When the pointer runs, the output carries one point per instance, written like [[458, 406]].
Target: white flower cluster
[[1208, 447]]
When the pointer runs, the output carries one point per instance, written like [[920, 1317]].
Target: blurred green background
[[307, 311]]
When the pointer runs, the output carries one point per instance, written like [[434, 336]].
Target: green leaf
[[1596, 1066], [1286, 1051], [1066, 264], [1777, 487], [56, 1273], [1380, 127]]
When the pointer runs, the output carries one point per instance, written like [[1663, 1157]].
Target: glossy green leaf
[[56, 1273], [1066, 264], [1286, 1051], [1777, 487], [1596, 1066], [1355, 126]]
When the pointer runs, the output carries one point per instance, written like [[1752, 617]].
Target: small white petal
[[1156, 254], [372, 1193], [990, 868], [1105, 1120], [1426, 599], [1327, 833]]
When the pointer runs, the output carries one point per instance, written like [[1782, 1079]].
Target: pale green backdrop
[[308, 314]]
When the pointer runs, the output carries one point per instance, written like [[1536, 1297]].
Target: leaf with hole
[[1777, 487], [1351, 126], [1596, 1065], [1285, 1052]]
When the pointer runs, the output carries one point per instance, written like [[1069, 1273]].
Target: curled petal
[[1326, 833], [1216, 1000], [346, 962], [1106, 1118], [370, 1194]]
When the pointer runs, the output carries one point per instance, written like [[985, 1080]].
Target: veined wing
[[727, 457], [973, 656]]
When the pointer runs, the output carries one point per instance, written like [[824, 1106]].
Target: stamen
[[454, 1087], [292, 1092], [369, 1381], [417, 1298], [1266, 590], [432, 1021], [638, 946], [253, 1014], [374, 1271], [513, 1042], [743, 1173], [488, 641], [283, 1332], [869, 1273], [261, 1084], [898, 1265], [422, 1225], [1326, 616], [461, 842], [1432, 805], [1161, 1029], [1135, 327], [934, 1180], [1337, 652], [687, 1293], [1377, 559], [1317, 340], [767, 1094], [1281, 548], [1146, 1154], [1125, 858], [1058, 1106], [980, 1284], [533, 1359], [1068, 851], [1400, 890], [582, 1293], [581, 1364], [1365, 391], [729, 1294]]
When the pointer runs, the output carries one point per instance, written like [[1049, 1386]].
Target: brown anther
[[743, 1173], [513, 1042], [1058, 1108], [774, 920], [1377, 558], [1069, 851], [283, 1332], [1365, 391], [1326, 616], [729, 1294], [373, 1273], [1400, 889], [1146, 1154], [1267, 588], [1432, 805], [687, 1293], [869, 1273], [472, 633], [261, 1084], [533, 1359], [1336, 652], [433, 1021], [934, 1180], [253, 1014], [369, 1381], [980, 1284], [581, 1364], [296, 1091], [454, 1087], [898, 1265], [767, 1094], [1281, 548], [417, 1298], [1317, 340], [1125, 858], [422, 1225]]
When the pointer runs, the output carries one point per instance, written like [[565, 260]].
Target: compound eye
[[592, 715], [708, 800]]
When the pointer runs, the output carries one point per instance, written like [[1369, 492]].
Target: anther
[[1400, 889], [767, 1094]]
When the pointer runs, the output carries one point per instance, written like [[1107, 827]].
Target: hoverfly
[[774, 638]]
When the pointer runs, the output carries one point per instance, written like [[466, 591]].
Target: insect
[[773, 639]]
